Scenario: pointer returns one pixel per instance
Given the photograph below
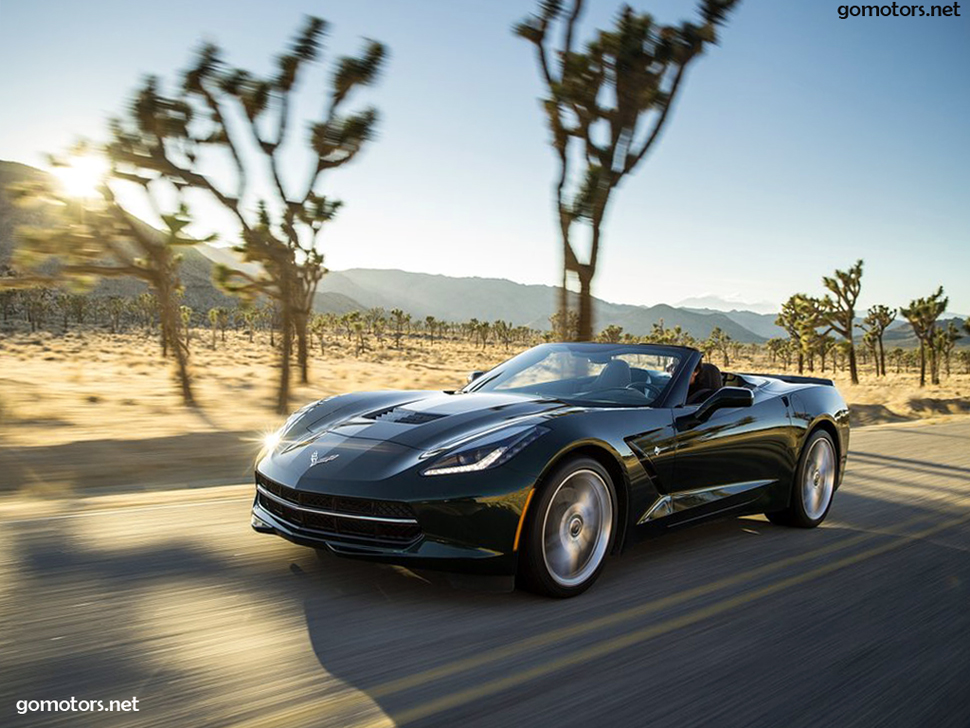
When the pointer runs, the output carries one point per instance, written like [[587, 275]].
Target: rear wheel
[[568, 530], [814, 484]]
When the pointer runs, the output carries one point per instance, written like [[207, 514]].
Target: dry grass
[[91, 410]]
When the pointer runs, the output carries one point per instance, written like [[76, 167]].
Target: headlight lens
[[488, 451]]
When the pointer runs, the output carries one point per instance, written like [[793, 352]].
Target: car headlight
[[488, 451]]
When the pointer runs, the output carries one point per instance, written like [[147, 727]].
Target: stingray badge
[[315, 458]]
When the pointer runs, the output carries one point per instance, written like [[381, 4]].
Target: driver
[[704, 381]]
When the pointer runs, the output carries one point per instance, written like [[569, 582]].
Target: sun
[[82, 175]]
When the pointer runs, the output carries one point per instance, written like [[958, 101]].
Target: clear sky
[[800, 144]]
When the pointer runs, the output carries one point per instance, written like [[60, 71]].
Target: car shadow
[[394, 628]]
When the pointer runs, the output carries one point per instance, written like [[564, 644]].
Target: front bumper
[[470, 533]]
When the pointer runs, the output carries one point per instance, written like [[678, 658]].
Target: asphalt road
[[864, 621]]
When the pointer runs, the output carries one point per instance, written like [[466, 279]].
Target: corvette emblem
[[315, 458]]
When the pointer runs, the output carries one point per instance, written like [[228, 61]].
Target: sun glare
[[82, 175]]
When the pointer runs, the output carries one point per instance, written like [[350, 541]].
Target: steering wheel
[[647, 390]]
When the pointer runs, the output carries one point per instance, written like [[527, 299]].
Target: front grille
[[402, 416], [350, 520]]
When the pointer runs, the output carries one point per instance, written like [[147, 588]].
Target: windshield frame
[[687, 359]]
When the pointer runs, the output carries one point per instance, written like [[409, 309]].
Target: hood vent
[[402, 416]]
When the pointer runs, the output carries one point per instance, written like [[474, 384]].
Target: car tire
[[569, 530], [814, 485]]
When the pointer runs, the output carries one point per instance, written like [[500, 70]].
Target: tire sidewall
[[532, 568]]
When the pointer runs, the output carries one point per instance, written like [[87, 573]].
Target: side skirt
[[675, 503]]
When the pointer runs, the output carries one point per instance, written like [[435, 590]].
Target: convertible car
[[546, 464]]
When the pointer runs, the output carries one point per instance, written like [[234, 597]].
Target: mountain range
[[444, 297]]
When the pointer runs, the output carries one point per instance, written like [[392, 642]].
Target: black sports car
[[550, 461]]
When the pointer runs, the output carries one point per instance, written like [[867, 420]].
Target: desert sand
[[99, 412]]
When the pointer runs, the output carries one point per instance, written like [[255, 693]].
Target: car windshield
[[587, 374]]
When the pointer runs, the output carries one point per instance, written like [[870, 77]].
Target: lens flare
[[271, 440], [81, 176]]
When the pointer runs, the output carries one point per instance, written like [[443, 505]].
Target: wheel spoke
[[576, 527], [818, 478]]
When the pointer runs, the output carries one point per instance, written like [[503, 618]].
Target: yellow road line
[[312, 710], [608, 620], [615, 644], [553, 636]]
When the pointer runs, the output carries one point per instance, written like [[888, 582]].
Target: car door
[[730, 458]]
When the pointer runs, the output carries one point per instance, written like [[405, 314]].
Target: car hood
[[430, 420], [374, 436]]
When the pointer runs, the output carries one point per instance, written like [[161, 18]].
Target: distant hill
[[903, 335], [11, 215], [717, 303], [461, 299], [325, 302], [444, 297], [762, 324]]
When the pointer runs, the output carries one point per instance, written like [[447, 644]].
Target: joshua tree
[[400, 320], [659, 334], [606, 107], [564, 327], [249, 119], [869, 346], [946, 339], [876, 322], [359, 331], [374, 319], [250, 316], [719, 341], [348, 320], [812, 336], [145, 307], [318, 328], [799, 316], [218, 319], [786, 353], [96, 238], [774, 347], [80, 306], [8, 296], [897, 355], [503, 332], [825, 345], [611, 334], [377, 328], [116, 307], [185, 316], [839, 313], [922, 314], [481, 331], [429, 324]]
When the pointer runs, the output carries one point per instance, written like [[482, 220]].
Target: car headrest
[[614, 374]]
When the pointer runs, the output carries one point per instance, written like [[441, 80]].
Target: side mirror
[[724, 397], [475, 375]]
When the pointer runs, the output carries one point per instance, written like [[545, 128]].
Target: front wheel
[[568, 530], [814, 484]]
